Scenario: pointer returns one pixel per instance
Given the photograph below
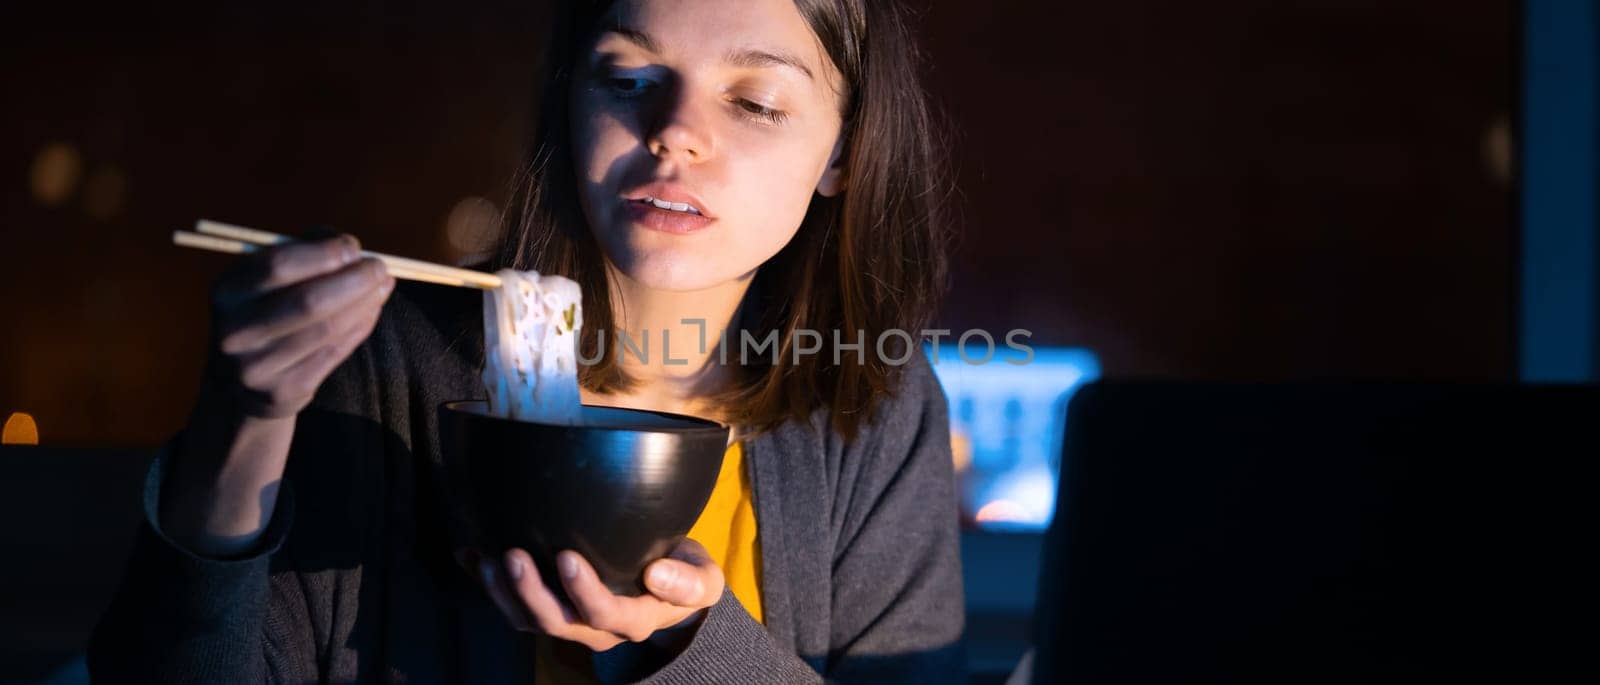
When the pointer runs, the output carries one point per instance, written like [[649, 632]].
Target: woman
[[701, 165]]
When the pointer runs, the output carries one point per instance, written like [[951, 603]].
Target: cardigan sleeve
[[182, 617], [897, 609], [729, 646]]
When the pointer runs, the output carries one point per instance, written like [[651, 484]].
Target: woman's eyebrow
[[635, 36], [755, 57], [739, 57]]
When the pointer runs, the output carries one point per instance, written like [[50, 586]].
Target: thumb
[[684, 584]]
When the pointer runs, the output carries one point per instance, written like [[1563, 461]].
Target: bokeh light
[[1002, 511], [1499, 151], [960, 449], [55, 173], [20, 429], [473, 226]]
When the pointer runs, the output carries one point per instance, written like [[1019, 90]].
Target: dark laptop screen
[[1318, 532]]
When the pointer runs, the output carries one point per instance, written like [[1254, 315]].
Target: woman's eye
[[762, 111], [627, 85]]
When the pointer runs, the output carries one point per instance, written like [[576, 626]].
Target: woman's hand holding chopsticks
[[283, 318]]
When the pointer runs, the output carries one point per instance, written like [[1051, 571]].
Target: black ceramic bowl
[[622, 490]]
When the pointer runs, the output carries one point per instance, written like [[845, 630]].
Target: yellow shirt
[[726, 528]]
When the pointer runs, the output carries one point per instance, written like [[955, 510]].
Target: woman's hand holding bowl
[[680, 586]]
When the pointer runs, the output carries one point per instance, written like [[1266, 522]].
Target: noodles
[[530, 334]]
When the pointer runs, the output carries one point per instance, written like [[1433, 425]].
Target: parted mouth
[[672, 197], [670, 206]]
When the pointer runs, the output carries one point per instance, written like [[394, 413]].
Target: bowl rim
[[702, 425]]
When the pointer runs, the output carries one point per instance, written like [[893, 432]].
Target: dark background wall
[[1236, 189]]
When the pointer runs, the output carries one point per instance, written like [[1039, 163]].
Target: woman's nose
[[683, 132]]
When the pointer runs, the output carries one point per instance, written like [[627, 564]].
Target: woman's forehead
[[747, 33]]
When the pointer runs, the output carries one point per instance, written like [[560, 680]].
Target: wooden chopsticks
[[221, 237]]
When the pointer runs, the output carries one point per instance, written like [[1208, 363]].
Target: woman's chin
[[665, 262], [674, 275]]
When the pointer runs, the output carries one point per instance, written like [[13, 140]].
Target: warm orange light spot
[[473, 227], [1001, 510], [960, 449], [20, 430], [55, 173]]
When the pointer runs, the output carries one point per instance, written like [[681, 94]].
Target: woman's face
[[727, 106]]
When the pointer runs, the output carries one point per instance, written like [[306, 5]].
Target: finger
[[307, 375], [597, 605], [551, 616], [683, 584], [268, 318], [293, 389], [688, 577], [259, 368], [282, 265], [371, 310], [352, 339], [515, 613], [304, 377], [593, 602], [260, 322]]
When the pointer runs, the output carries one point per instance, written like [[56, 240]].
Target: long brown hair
[[871, 259]]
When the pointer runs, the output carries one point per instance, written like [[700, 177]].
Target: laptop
[[1320, 533]]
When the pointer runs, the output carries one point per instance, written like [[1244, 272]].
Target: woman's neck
[[668, 344]]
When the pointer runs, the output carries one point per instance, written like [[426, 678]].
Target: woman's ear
[[833, 178]]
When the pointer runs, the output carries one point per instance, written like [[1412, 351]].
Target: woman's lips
[[665, 220]]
